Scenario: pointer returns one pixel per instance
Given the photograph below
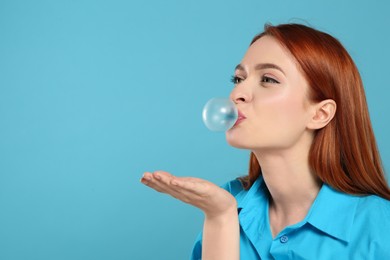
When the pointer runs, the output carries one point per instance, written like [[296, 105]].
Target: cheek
[[280, 120], [280, 109], [274, 121]]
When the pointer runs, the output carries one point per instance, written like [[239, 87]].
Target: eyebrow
[[262, 66]]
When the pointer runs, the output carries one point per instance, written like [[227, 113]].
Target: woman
[[316, 188]]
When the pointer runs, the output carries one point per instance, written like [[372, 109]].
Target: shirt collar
[[257, 192], [252, 204], [333, 212]]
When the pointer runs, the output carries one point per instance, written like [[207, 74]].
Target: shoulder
[[374, 207], [372, 218], [373, 213], [371, 227]]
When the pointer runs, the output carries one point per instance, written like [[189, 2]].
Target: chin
[[235, 141]]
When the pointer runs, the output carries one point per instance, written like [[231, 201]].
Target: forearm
[[221, 237]]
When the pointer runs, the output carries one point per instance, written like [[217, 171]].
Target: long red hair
[[344, 153]]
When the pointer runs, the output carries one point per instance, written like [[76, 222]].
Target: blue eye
[[235, 80], [267, 79]]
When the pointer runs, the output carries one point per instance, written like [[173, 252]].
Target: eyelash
[[265, 79], [235, 80]]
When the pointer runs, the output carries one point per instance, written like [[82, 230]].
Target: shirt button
[[283, 239]]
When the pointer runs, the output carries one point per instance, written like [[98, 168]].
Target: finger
[[163, 177], [153, 184], [164, 182], [161, 182], [146, 178], [187, 189], [149, 180]]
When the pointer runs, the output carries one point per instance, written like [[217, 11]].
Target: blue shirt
[[337, 226]]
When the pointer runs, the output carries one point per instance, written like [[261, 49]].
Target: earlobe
[[323, 114]]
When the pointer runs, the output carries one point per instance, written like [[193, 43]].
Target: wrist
[[223, 216]]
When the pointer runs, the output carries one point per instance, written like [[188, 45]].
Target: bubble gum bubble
[[219, 114]]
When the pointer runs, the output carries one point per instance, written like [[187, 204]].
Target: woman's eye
[[267, 79], [235, 80]]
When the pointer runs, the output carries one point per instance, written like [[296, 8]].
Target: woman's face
[[271, 93]]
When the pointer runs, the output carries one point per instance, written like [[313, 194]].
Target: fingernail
[[158, 177], [146, 177]]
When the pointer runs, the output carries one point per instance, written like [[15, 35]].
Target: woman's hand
[[211, 199], [221, 232]]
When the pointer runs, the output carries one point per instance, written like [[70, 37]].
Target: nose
[[240, 94]]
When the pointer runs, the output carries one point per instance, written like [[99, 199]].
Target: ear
[[323, 113]]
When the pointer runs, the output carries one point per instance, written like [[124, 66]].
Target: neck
[[292, 185]]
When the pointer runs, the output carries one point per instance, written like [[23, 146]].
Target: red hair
[[344, 153]]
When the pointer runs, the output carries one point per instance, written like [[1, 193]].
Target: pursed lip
[[240, 118]]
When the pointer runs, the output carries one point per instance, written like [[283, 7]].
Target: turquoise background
[[94, 93]]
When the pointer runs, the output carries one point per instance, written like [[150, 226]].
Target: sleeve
[[233, 187], [197, 249]]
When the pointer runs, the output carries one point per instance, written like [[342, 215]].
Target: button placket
[[283, 239]]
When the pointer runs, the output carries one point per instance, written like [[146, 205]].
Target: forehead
[[268, 50]]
